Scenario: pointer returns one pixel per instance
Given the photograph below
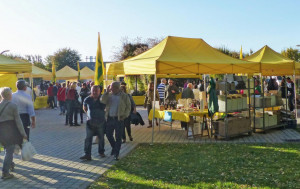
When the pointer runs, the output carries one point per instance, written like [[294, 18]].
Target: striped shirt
[[161, 90]]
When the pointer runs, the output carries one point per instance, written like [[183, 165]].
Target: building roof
[[90, 65]]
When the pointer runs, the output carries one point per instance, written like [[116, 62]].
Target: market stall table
[[184, 117]]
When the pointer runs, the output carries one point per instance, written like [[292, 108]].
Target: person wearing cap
[[25, 106]]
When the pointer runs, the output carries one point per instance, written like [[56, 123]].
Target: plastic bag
[[28, 151]]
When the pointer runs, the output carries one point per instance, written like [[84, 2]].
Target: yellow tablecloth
[[176, 115], [40, 102]]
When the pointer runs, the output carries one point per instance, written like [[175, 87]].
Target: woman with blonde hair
[[72, 101], [11, 130]]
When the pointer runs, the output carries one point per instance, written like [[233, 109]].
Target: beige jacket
[[124, 106]]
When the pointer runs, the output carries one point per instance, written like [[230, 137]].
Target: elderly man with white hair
[[188, 92], [118, 108], [11, 130]]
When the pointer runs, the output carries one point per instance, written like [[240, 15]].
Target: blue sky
[[44, 26]]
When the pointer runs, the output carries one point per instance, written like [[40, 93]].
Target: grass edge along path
[[206, 166]]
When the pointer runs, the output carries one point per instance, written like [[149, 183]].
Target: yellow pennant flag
[[99, 66], [78, 67], [241, 53], [53, 72]]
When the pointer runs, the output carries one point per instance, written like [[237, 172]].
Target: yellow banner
[[99, 65]]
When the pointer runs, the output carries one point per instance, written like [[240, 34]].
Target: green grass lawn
[[206, 166]]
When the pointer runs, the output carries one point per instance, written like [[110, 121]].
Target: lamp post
[[4, 51]]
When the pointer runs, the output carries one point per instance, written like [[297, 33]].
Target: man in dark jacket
[[188, 92], [171, 91], [95, 122]]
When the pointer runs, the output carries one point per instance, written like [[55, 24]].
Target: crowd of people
[[110, 114]]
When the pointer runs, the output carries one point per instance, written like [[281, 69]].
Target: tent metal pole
[[153, 108], [295, 97], [136, 84]]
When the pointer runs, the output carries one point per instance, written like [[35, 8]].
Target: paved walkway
[[59, 147]]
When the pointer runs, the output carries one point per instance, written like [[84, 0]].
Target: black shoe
[[81, 121], [86, 157], [130, 138], [7, 176], [76, 124], [116, 157], [71, 125], [102, 155], [124, 141]]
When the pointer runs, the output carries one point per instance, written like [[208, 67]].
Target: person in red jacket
[[50, 96], [73, 105], [61, 97]]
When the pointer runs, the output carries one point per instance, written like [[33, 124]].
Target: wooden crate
[[235, 126]]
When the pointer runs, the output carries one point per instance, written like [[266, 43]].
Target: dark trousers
[[184, 125], [90, 132], [73, 115], [291, 102], [62, 106], [114, 125], [25, 118], [51, 101], [127, 126], [81, 113]]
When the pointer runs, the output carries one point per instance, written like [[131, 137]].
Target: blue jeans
[[8, 159], [114, 125], [90, 132]]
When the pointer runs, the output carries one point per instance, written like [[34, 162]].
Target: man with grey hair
[[118, 108], [25, 106], [187, 93]]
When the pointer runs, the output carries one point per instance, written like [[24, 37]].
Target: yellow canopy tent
[[66, 73], [177, 55], [36, 73], [8, 70], [86, 73], [272, 63], [9, 66]]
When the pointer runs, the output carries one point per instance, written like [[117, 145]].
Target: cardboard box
[[258, 101], [234, 105], [259, 122], [272, 120], [273, 100], [244, 103], [239, 104], [267, 100], [222, 105], [236, 125]]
